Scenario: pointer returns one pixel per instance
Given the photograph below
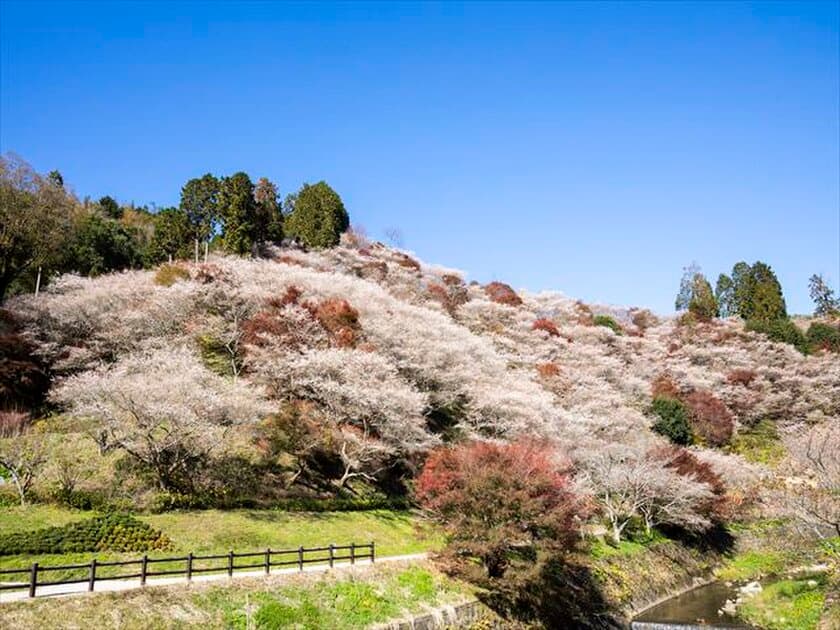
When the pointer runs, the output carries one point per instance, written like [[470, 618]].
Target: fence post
[[300, 558], [332, 554], [143, 567], [189, 566], [352, 553], [372, 551], [33, 579], [267, 561], [230, 563], [92, 576]]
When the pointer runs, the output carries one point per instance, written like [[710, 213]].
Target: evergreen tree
[[319, 216], [740, 287], [100, 245], [237, 210], [725, 295], [173, 236], [199, 200], [764, 301], [268, 222]]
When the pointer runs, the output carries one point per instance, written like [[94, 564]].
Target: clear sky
[[590, 148]]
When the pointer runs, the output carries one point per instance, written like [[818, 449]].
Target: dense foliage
[[500, 502], [110, 532], [318, 218]]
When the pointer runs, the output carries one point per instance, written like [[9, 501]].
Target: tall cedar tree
[[173, 236], [319, 216], [200, 200], [237, 211], [268, 220]]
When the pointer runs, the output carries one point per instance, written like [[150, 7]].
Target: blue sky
[[591, 148]]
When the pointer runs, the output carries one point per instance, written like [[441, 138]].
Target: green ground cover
[[339, 600], [217, 532]]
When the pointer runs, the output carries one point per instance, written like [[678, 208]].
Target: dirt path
[[63, 590]]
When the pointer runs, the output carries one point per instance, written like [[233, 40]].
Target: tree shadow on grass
[[559, 595]]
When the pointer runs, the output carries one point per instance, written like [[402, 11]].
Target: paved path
[[59, 590]]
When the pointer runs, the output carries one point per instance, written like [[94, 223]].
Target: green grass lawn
[[217, 532], [787, 605], [338, 600]]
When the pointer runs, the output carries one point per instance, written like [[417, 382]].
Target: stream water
[[697, 608]]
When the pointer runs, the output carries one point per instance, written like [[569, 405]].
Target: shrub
[[169, 274], [340, 320], [710, 418], [404, 260], [663, 386], [672, 419], [111, 532], [781, 330], [822, 336], [448, 295], [644, 319], [547, 325], [499, 502], [548, 370], [607, 322], [743, 377], [502, 293]]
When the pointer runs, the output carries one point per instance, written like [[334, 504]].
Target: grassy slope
[[213, 531], [339, 600]]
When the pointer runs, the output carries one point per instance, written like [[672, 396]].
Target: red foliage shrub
[[494, 498], [501, 293], [339, 319], [548, 370], [663, 386], [547, 325], [743, 377], [710, 418], [291, 296], [264, 325]]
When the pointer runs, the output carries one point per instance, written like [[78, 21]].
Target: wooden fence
[[145, 565]]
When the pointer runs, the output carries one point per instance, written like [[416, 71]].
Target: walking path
[[59, 590]]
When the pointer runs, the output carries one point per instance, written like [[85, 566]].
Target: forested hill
[[332, 367]]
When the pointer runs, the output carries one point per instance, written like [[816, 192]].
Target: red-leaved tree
[[500, 502]]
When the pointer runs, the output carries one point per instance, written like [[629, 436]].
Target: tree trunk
[[206, 249], [196, 251], [38, 282]]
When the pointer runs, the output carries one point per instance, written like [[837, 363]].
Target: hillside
[[322, 379], [362, 358]]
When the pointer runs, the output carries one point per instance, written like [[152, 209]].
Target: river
[[697, 608]]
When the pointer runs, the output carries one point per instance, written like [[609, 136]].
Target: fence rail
[[269, 558]]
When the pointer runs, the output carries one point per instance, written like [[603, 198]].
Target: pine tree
[[237, 210], [319, 216]]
